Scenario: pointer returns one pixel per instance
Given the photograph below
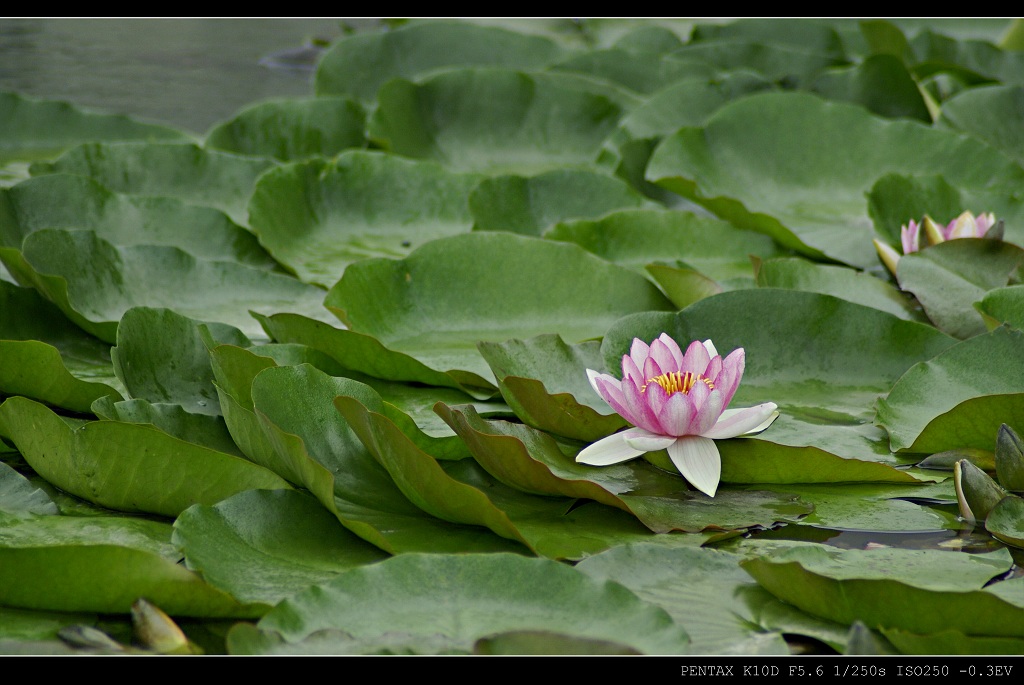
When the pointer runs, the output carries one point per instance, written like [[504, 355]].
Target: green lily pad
[[48, 358], [37, 129], [991, 114], [313, 446], [454, 117], [971, 61], [544, 380], [472, 596], [791, 64], [848, 355], [799, 274], [200, 177], [451, 293], [64, 563], [262, 546], [22, 625], [292, 129], [68, 201], [19, 497], [1003, 305], [162, 356], [530, 205], [881, 84], [921, 591], [358, 65], [697, 587], [950, 277], [641, 237], [94, 283], [531, 460], [952, 642], [766, 162], [201, 429], [643, 72], [129, 467], [958, 399], [316, 218], [1006, 521]]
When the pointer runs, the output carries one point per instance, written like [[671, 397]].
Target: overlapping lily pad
[[202, 177], [94, 283], [494, 121], [473, 596], [48, 358], [317, 218], [768, 162], [436, 304], [292, 129], [960, 398], [68, 201]]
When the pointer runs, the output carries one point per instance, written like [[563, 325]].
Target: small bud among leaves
[[976, 493], [1009, 459], [156, 631]]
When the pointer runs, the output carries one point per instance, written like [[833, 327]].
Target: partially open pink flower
[[910, 236], [967, 226], [677, 402]]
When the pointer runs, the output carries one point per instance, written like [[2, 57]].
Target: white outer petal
[[607, 451], [734, 422], [594, 375], [698, 460], [710, 347], [640, 439]]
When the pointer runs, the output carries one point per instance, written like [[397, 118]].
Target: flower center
[[678, 382]]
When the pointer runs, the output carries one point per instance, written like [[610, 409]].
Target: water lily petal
[[677, 414], [638, 410], [639, 351], [631, 373], [592, 376], [639, 439], [732, 372], [696, 358], [652, 369], [714, 370], [708, 412], [890, 258], [734, 422], [610, 450], [673, 347], [698, 461], [662, 355], [710, 347]]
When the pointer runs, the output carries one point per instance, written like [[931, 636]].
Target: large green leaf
[[1003, 305], [187, 172], [640, 237], [950, 277], [102, 564], [530, 460], [48, 358], [799, 274], [881, 84], [544, 380], [472, 596], [699, 588], [201, 429], [68, 201], [360, 64], [313, 446], [261, 546], [921, 591], [823, 360], [436, 304], [292, 129], [94, 283], [162, 356], [37, 129], [643, 72], [960, 398], [530, 205], [991, 114], [19, 497], [317, 218], [130, 467], [781, 163], [495, 121]]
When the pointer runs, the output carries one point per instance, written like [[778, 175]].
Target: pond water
[[189, 73]]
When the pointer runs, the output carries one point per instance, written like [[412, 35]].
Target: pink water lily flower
[[676, 402]]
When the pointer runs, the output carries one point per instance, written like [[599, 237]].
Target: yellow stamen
[[678, 382]]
